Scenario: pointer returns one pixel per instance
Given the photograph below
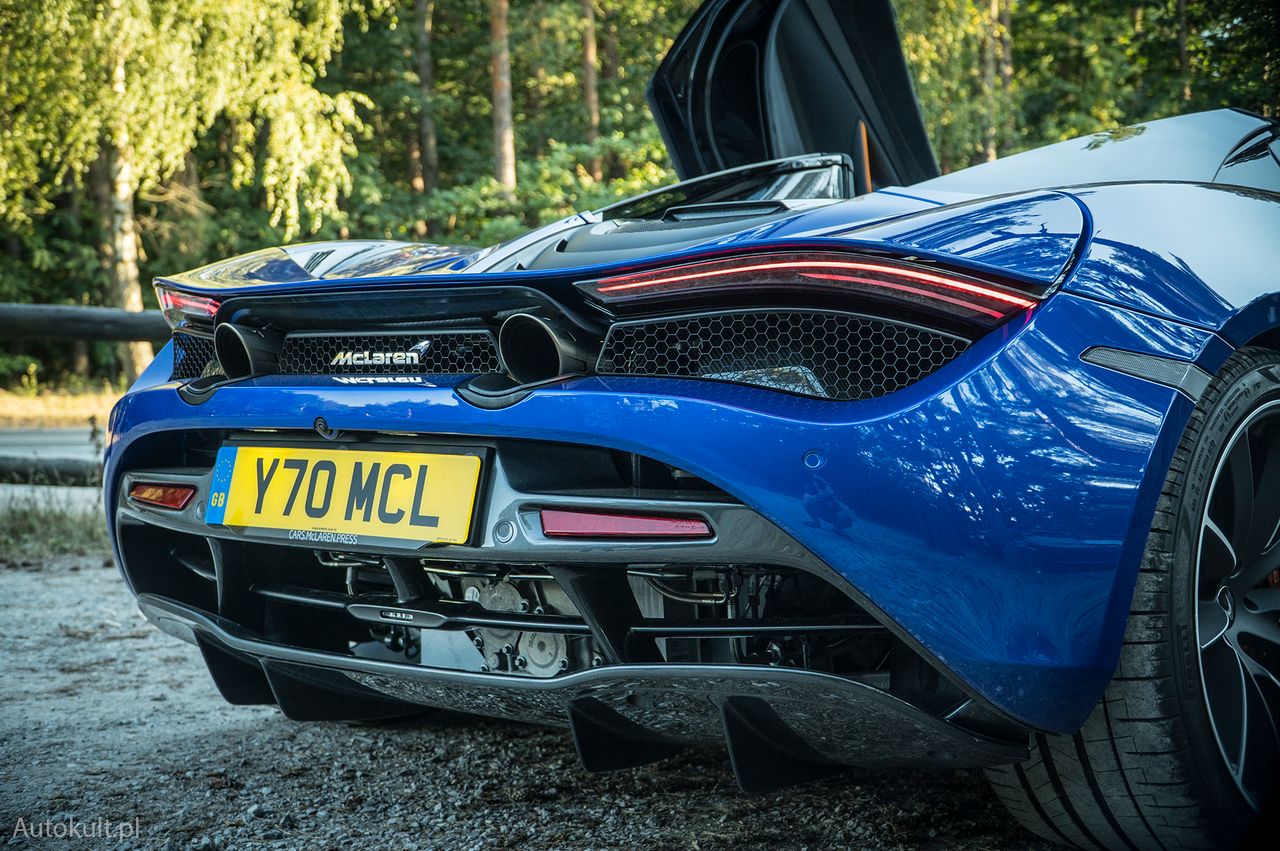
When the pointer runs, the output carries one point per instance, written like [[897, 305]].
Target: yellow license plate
[[345, 496]]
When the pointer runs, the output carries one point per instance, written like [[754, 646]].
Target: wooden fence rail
[[71, 322]]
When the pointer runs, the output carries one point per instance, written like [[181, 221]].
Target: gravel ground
[[103, 717]]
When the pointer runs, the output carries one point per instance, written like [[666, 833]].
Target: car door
[[754, 80]]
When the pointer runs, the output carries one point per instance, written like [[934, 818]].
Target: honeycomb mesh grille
[[192, 356], [810, 353], [424, 353]]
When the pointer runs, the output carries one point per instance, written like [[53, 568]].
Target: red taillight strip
[[997, 314], [630, 282], [937, 290], [172, 300], [561, 523], [173, 497]]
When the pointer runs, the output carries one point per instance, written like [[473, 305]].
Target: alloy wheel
[[1238, 603]]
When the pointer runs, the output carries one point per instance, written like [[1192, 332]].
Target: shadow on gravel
[[102, 717]]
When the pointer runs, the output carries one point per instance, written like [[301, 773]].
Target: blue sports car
[[816, 454]]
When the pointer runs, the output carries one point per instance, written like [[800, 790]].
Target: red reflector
[[175, 497], [591, 524]]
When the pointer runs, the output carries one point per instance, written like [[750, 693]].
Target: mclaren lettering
[[382, 379], [367, 358]]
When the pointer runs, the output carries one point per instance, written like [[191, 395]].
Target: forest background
[[139, 137]]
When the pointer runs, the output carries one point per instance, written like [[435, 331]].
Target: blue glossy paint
[[994, 510], [1208, 255], [1032, 237], [844, 216], [1184, 147]]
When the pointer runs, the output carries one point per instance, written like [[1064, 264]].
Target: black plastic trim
[[825, 711]]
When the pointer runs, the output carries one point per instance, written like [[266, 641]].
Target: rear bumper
[[814, 717], [994, 513]]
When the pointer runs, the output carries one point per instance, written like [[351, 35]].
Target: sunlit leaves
[[151, 76]]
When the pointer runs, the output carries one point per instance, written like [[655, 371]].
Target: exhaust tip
[[533, 349], [243, 352]]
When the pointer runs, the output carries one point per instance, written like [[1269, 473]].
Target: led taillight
[[181, 308], [561, 523], [174, 497], [878, 278]]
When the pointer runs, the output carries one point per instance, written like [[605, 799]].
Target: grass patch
[[56, 408], [39, 521]]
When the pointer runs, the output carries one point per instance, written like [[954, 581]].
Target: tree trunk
[[989, 84], [1183, 68], [609, 73], [590, 85], [118, 249], [535, 135], [1009, 124], [1006, 45], [416, 182], [80, 358], [413, 150], [504, 134], [427, 139], [609, 62]]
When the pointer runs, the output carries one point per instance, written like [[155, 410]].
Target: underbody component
[[633, 714], [657, 643]]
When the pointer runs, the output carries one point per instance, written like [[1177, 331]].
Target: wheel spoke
[[1240, 466], [1260, 750], [1264, 676], [1257, 569], [1242, 735], [1211, 622], [1225, 683], [1263, 626], [1263, 600], [1265, 512], [1217, 554]]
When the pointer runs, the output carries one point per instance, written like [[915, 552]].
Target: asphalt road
[[64, 456], [103, 717], [49, 443], [76, 498]]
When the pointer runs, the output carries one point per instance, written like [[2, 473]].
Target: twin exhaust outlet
[[532, 348], [536, 349]]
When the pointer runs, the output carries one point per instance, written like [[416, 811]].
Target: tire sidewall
[[1257, 385]]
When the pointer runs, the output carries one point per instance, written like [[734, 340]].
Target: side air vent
[[192, 356], [822, 354]]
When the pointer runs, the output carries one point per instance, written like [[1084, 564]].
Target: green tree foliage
[[145, 81], [251, 64], [254, 122], [1077, 67]]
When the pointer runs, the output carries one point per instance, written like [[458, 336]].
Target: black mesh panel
[[811, 353], [426, 353], [192, 356]]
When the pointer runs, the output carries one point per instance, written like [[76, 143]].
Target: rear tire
[[1146, 770]]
